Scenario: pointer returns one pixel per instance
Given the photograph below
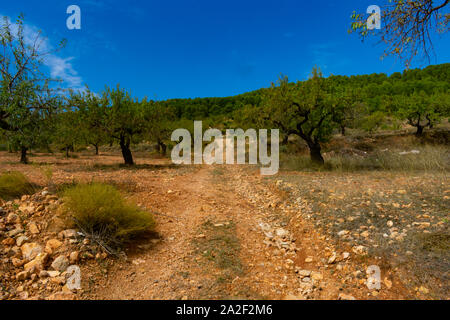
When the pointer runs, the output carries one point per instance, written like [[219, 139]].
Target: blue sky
[[197, 48]]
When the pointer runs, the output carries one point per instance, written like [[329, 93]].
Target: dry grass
[[220, 248], [101, 211], [401, 217], [220, 245], [423, 158], [428, 158], [13, 185]]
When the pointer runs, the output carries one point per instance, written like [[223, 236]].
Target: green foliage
[[114, 115], [420, 109], [13, 185], [373, 121], [350, 109], [92, 118], [159, 123], [68, 132], [202, 108], [26, 98], [308, 109], [101, 211]]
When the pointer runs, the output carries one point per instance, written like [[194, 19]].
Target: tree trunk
[[314, 147], [162, 148], [67, 151], [126, 152], [419, 131], [343, 130], [315, 153], [48, 149], [23, 155], [96, 149], [285, 140]]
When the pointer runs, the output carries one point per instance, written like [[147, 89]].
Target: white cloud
[[60, 67]]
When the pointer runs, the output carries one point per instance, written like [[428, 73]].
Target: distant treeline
[[311, 109], [432, 79]]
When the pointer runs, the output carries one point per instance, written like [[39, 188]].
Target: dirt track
[[213, 247], [223, 232]]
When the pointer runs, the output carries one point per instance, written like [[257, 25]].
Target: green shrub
[[102, 212], [374, 121], [13, 185]]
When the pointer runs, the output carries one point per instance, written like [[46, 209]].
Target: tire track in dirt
[[159, 269], [173, 268], [213, 247]]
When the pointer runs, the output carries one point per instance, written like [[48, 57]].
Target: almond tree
[[68, 131], [124, 120], [26, 100], [159, 123], [422, 111], [115, 113], [407, 27], [306, 109], [91, 111]]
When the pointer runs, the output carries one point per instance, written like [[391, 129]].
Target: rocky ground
[[400, 219], [223, 232], [37, 250]]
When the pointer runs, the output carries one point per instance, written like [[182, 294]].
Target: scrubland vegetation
[[13, 185], [101, 211], [411, 157]]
